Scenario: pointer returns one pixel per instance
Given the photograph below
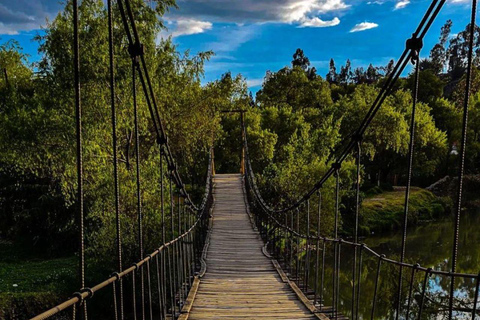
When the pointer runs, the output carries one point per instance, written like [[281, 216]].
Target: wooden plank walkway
[[240, 282]]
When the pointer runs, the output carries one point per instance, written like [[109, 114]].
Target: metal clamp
[[415, 45], [136, 50], [116, 275], [89, 291]]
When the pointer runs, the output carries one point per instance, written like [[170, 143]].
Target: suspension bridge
[[234, 256]]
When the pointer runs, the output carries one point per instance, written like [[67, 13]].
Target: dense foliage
[[294, 125], [37, 135]]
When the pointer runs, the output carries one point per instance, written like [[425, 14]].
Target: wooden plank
[[240, 282]]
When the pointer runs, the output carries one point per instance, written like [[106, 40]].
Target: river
[[430, 245]]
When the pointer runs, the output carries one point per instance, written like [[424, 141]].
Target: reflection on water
[[430, 245]]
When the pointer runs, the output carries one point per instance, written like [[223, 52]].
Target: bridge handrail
[[118, 275]]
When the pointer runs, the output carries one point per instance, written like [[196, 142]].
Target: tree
[[300, 60], [372, 74], [457, 52], [385, 143], [388, 69], [431, 86], [359, 75], [332, 72], [292, 87], [438, 54], [346, 74], [38, 120]]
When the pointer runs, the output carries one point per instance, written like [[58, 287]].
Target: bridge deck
[[240, 282]]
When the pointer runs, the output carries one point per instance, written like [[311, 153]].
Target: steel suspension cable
[[172, 254], [115, 154], [461, 168], [336, 247], [415, 46], [355, 232], [149, 286], [475, 297], [422, 297], [317, 248], [115, 307], [136, 47], [138, 184], [79, 151], [375, 291], [360, 266], [410, 290], [134, 295], [163, 260]]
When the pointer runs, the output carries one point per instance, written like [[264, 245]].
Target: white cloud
[[190, 26], [23, 15], [364, 26], [300, 12], [319, 23], [460, 1], [254, 82], [230, 38], [401, 4], [7, 30]]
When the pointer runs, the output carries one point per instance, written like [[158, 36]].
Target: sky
[[253, 36]]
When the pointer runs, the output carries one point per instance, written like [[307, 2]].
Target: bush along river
[[429, 245]]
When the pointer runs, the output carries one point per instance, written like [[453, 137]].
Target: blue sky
[[253, 36]]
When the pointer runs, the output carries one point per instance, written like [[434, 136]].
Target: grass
[[28, 283], [383, 212]]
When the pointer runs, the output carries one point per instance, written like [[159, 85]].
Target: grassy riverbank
[[28, 282], [383, 212]]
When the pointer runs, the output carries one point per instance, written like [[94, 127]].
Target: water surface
[[430, 245]]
